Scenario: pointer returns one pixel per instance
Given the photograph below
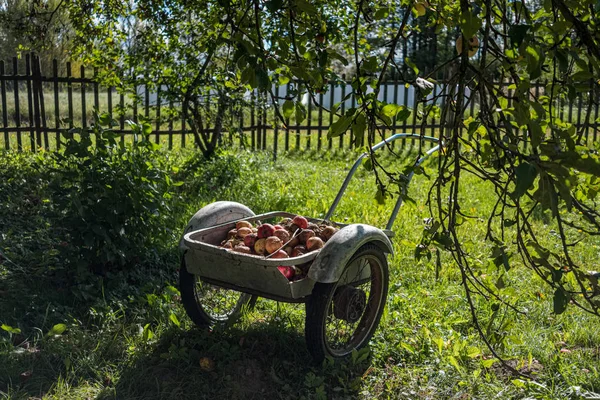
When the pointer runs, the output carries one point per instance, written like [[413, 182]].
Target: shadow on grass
[[261, 362]]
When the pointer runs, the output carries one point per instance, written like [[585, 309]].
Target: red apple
[[314, 243], [240, 248], [278, 227], [243, 231], [272, 244], [298, 251], [287, 271], [288, 250], [300, 221], [243, 224], [280, 254], [265, 230], [305, 234], [282, 234], [327, 232], [250, 240], [259, 246]]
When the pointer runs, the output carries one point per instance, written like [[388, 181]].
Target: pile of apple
[[289, 238]]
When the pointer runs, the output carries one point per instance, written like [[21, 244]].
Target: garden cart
[[344, 290]]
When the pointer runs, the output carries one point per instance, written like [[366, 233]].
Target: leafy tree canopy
[[537, 162]]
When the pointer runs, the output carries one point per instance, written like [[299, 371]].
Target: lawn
[[125, 335]]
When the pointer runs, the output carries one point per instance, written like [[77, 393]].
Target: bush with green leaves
[[112, 199]]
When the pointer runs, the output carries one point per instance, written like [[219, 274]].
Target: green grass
[[128, 336]]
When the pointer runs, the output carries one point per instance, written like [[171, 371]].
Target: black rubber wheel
[[342, 316], [208, 305]]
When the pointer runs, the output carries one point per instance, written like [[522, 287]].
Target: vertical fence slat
[[70, 94], [309, 122], [331, 100], [171, 125], [44, 126], [276, 131], [28, 74], [183, 122], [96, 91], [4, 106], [596, 119], [83, 105], [56, 102], [15, 72], [395, 122], [157, 136], [343, 108], [352, 138], [146, 102], [287, 121], [264, 124], [122, 116], [259, 118], [109, 104], [385, 99], [320, 117], [252, 120]]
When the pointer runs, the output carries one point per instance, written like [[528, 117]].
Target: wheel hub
[[349, 303]]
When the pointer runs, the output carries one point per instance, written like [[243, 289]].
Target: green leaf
[[10, 329], [561, 300], [283, 80], [411, 64], [300, 113], [287, 109], [359, 125], [174, 320], [488, 363], [263, 79], [517, 33], [57, 329], [525, 175], [469, 24], [340, 126], [455, 363], [581, 76], [147, 333], [390, 110]]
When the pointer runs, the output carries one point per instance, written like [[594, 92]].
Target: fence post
[[38, 103], [15, 72], [4, 107], [56, 102], [28, 74]]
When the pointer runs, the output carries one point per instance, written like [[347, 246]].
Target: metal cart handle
[[377, 147]]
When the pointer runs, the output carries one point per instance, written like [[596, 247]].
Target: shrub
[[112, 199]]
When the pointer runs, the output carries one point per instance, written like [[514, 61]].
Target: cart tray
[[246, 272]]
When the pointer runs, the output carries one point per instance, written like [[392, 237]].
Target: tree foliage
[[40, 26], [538, 164]]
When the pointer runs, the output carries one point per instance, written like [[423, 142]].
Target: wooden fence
[[35, 108]]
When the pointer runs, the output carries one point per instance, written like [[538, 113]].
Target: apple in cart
[[250, 240], [314, 243], [289, 271], [240, 248], [280, 254], [265, 230], [272, 244], [327, 232], [243, 224], [298, 251], [305, 235], [243, 231], [282, 234], [260, 246], [300, 222]]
